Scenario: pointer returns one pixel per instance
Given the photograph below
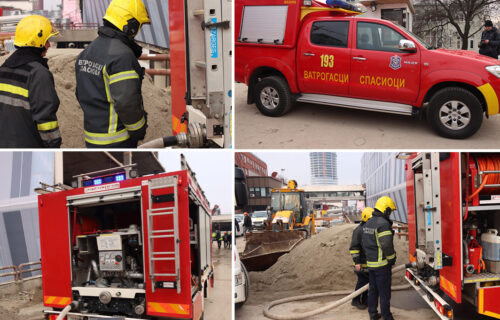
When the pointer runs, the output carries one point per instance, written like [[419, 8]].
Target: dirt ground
[[62, 65], [323, 264], [27, 304], [24, 304], [314, 127]]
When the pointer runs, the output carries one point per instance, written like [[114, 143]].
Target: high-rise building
[[383, 175], [323, 167]]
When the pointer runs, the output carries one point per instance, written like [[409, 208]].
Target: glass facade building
[[19, 233], [384, 175], [323, 168]]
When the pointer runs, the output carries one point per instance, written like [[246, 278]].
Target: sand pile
[[70, 115], [322, 263]]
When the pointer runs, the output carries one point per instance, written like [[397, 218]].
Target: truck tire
[[455, 113], [272, 96]]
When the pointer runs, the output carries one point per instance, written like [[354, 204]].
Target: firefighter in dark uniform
[[378, 243], [109, 79], [28, 98], [359, 260]]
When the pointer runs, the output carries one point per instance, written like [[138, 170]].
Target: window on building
[[396, 16], [263, 192], [251, 192]]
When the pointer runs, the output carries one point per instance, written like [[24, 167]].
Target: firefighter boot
[[375, 316], [358, 304]]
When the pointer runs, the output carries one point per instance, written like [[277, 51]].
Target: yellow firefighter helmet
[[127, 15], [385, 205], [34, 31], [366, 214]]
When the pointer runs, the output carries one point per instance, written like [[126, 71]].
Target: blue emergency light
[[342, 5], [104, 179]]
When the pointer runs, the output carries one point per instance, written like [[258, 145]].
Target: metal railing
[[18, 271], [6, 274], [21, 269]]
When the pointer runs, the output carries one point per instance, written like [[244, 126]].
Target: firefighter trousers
[[380, 287], [363, 279]]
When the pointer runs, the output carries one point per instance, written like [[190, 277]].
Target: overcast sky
[[214, 172], [297, 166]]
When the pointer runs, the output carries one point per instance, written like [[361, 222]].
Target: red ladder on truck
[[161, 260]]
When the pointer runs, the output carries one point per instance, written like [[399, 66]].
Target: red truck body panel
[[55, 246], [451, 225], [371, 79]]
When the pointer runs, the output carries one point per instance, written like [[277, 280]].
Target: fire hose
[[487, 163], [350, 296], [67, 309]]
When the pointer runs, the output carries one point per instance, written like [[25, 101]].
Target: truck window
[[330, 33], [375, 36]]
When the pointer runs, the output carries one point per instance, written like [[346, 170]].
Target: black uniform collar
[[377, 213], [25, 55], [110, 32]]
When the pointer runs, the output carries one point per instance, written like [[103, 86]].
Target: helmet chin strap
[[132, 27]]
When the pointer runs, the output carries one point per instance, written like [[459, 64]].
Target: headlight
[[238, 279], [495, 70]]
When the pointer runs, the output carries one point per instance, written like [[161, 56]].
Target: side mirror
[[407, 46]]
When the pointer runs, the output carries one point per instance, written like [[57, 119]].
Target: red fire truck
[[307, 51], [453, 222], [124, 247]]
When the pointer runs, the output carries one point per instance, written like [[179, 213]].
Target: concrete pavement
[[309, 126]]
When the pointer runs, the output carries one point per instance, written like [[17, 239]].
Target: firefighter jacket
[[108, 88], [356, 248], [28, 102], [377, 240]]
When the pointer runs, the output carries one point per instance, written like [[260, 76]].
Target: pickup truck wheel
[[272, 96], [455, 113]]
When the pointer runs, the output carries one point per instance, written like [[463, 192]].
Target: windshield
[[291, 201], [285, 201], [415, 37], [275, 201], [259, 214]]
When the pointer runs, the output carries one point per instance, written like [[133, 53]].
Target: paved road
[[309, 126], [218, 306]]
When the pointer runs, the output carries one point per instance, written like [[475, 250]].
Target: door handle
[[309, 54], [359, 58]]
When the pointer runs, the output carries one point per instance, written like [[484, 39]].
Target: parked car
[[258, 218], [241, 281], [238, 231]]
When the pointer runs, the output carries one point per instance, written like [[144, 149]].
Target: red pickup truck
[[306, 51]]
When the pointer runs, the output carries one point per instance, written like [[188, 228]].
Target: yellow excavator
[[289, 224]]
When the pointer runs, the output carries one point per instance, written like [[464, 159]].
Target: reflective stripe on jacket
[[377, 240], [356, 249], [28, 107], [108, 88]]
